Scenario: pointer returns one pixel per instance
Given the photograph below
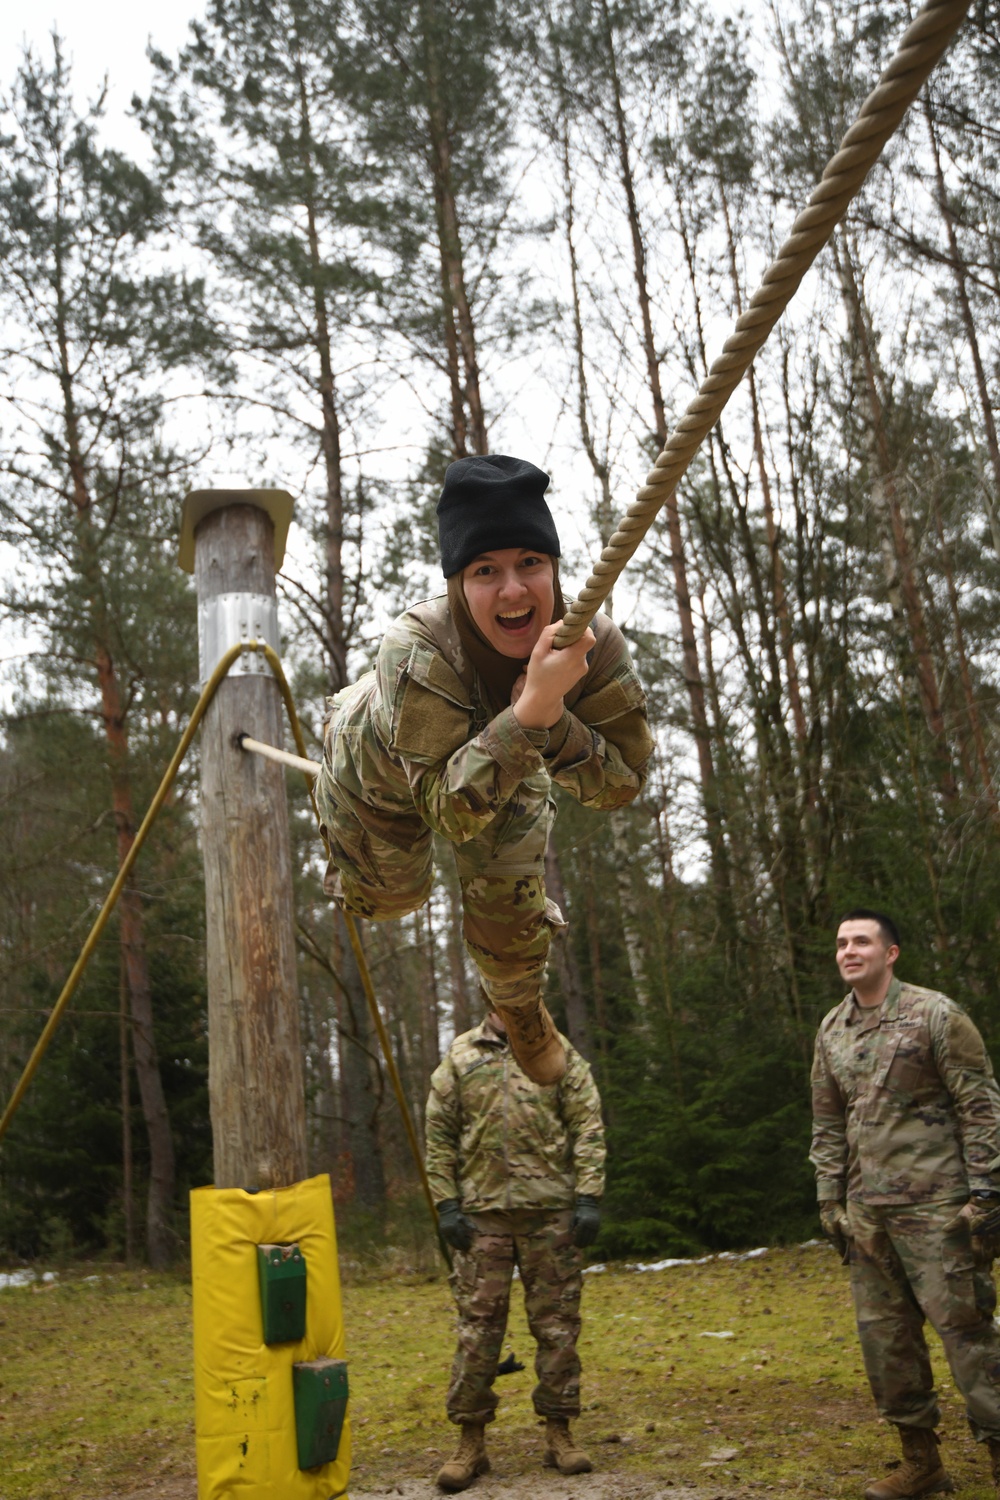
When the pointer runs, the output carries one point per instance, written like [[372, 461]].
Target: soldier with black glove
[[517, 1173]]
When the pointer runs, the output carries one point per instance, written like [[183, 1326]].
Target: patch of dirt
[[175, 1487], [491, 1487], [527, 1487]]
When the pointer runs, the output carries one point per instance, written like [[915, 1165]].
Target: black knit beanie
[[493, 502]]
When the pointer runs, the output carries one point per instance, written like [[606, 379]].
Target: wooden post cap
[[278, 504]]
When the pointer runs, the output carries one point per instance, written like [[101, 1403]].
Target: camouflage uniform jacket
[[421, 749], [905, 1105], [495, 1140]]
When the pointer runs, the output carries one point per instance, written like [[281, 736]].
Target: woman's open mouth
[[514, 621]]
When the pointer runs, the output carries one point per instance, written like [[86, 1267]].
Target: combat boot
[[534, 1041], [468, 1461], [920, 1473], [561, 1452]]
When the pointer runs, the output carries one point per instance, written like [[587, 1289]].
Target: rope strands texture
[[921, 48]]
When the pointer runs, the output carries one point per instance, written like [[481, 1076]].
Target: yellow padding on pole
[[244, 1407]]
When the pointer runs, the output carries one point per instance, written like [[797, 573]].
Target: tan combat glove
[[834, 1223]]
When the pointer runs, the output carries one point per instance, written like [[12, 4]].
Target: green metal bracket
[[282, 1273], [320, 1388]]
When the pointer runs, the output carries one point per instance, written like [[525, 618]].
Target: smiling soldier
[[467, 719], [906, 1146]]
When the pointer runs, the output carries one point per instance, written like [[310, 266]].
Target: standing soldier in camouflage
[[467, 719], [906, 1146], [517, 1173]]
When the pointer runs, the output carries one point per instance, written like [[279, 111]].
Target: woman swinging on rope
[[467, 718]]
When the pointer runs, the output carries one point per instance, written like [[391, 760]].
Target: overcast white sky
[[102, 37], [110, 37]]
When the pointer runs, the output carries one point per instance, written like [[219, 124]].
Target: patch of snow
[[15, 1278], [24, 1278], [668, 1265], [27, 1277]]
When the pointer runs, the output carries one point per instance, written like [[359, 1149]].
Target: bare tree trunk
[[162, 1170], [577, 1023], [682, 593], [941, 939], [777, 566], [635, 232], [664, 849], [958, 267], [664, 919], [431, 1009], [602, 473], [459, 424], [596, 964], [128, 1200], [330, 423], [965, 676], [462, 1013], [322, 1093], [361, 1082], [449, 232], [886, 492], [631, 929]]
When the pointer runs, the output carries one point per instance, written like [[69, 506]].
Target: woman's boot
[[534, 1041]]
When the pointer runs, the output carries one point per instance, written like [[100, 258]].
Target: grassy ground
[[95, 1384]]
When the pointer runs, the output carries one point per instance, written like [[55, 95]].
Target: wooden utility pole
[[233, 540]]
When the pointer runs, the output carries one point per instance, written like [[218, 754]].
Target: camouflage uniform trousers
[[507, 921], [539, 1243], [908, 1267]]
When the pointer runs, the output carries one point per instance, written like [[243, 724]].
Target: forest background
[[358, 240]]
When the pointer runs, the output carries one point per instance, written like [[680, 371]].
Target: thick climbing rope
[[309, 768], [921, 47]]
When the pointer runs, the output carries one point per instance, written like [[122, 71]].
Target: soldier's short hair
[[887, 926]]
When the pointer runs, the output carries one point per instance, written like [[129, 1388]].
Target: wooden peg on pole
[[230, 539]]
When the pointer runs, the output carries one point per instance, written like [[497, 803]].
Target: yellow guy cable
[[76, 973]]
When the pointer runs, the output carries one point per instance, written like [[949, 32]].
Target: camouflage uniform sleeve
[[599, 752], [461, 796], [829, 1138], [458, 783], [580, 1107], [967, 1074], [442, 1132]]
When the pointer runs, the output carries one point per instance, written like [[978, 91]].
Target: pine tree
[[93, 326]]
